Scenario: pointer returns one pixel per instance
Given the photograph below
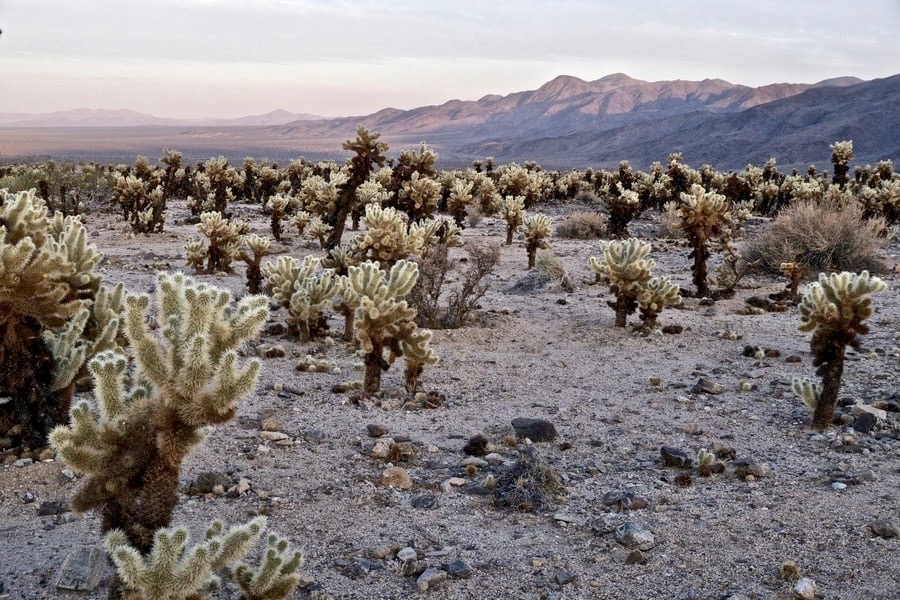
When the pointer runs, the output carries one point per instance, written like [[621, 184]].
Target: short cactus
[[625, 267], [513, 211], [834, 309], [224, 243], [623, 206], [253, 250], [537, 230], [653, 297]]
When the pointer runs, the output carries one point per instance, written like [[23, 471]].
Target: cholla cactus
[[301, 220], [625, 267], [653, 297], [143, 203], [512, 210], [224, 237], [388, 237], [419, 196], [253, 249], [841, 155], [794, 272], [278, 206], [834, 309], [460, 198], [47, 283], [186, 376], [320, 230], [310, 298], [215, 181], [702, 215], [384, 322], [623, 206], [171, 571], [537, 230], [370, 192], [516, 180], [276, 577]]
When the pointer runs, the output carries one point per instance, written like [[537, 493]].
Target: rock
[[838, 486], [675, 457], [793, 358], [707, 386], [635, 557], [804, 589], [376, 430], [635, 536], [564, 577], [313, 436], [82, 569], [494, 458], [458, 569], [537, 430], [23, 462], [425, 501], [865, 422], [381, 450], [744, 467], [241, 487], [396, 477], [885, 527], [47, 509], [270, 424], [208, 481], [474, 461], [859, 409], [407, 554], [530, 283], [672, 329], [271, 351], [28, 498], [477, 445], [273, 436], [430, 579], [381, 552]]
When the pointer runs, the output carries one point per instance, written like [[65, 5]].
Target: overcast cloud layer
[[229, 58]]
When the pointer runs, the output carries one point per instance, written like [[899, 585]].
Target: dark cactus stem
[[624, 305], [831, 373], [276, 227], [375, 364], [700, 254], [510, 230], [254, 278]]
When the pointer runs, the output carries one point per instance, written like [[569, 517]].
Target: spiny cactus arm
[[416, 347], [67, 350], [235, 543], [152, 360], [403, 277], [24, 215], [808, 391], [658, 293], [215, 403], [839, 300], [105, 321], [78, 444], [276, 578], [196, 254], [82, 255]]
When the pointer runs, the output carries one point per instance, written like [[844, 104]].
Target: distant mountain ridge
[[87, 117]]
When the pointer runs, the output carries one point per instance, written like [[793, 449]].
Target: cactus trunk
[[509, 235], [831, 373], [374, 367], [700, 254]]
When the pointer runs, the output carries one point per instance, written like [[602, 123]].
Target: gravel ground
[[790, 493]]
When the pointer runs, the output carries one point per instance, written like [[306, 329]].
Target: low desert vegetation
[[390, 262]]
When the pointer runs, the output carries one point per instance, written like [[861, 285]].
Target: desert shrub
[[434, 270], [584, 225], [552, 266], [822, 236], [529, 485]]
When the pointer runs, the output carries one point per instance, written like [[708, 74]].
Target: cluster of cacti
[[625, 267], [48, 286], [515, 180], [143, 201], [537, 229], [305, 290], [215, 185], [222, 245], [834, 309]]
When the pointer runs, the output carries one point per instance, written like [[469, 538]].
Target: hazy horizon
[[231, 58]]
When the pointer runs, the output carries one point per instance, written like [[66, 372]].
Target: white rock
[[273, 436], [804, 589]]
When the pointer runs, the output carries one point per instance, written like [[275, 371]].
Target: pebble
[[474, 461], [382, 449], [430, 578], [23, 462], [564, 577], [536, 430], [239, 488], [458, 569], [707, 386], [635, 536], [376, 430], [425, 501], [885, 527], [494, 458], [635, 557], [28, 498], [273, 436], [407, 554], [675, 457], [838, 486], [859, 409], [50, 508], [396, 477], [82, 569], [804, 589], [208, 481]]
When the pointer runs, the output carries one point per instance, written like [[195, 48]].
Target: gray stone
[[675, 457], [407, 554], [82, 569], [885, 527], [707, 386], [458, 569], [430, 578], [51, 508], [860, 409], [865, 422], [424, 501], [537, 430], [635, 536], [23, 462], [564, 577], [208, 481], [804, 589], [474, 461], [376, 430]]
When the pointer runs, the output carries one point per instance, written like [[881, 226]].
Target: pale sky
[[230, 58]]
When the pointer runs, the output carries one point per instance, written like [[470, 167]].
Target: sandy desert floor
[[791, 493]]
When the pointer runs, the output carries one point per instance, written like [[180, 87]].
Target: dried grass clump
[[584, 225], [528, 485], [825, 235]]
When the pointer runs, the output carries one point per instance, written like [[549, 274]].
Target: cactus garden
[[381, 378]]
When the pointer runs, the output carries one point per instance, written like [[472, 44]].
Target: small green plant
[[834, 309]]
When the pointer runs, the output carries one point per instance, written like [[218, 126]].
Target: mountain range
[[86, 117], [569, 122]]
